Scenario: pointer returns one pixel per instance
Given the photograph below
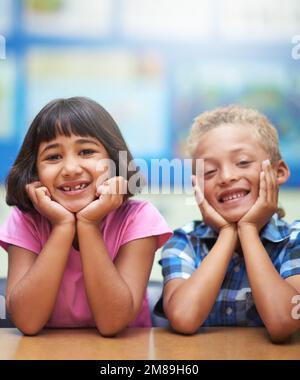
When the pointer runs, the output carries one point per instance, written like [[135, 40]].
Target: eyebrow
[[79, 142], [237, 150]]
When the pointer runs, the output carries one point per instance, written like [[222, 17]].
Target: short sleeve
[[291, 261], [144, 220], [20, 229], [178, 258]]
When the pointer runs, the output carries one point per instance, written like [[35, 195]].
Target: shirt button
[[236, 268], [228, 310]]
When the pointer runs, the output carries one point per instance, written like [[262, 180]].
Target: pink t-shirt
[[133, 220]]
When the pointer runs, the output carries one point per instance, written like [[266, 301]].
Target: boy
[[241, 265]]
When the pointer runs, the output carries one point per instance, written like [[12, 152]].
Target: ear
[[282, 172]]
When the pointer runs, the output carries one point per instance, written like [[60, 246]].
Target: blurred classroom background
[[154, 65]]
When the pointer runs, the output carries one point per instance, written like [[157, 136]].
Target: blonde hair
[[261, 127]]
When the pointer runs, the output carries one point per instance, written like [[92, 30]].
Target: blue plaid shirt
[[234, 306]]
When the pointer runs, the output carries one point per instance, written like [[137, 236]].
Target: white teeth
[[233, 196], [78, 187]]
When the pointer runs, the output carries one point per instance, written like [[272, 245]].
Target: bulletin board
[[153, 68]]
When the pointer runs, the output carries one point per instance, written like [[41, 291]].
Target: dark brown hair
[[78, 115]]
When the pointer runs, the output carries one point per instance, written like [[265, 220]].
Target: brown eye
[[210, 172], [86, 152], [53, 157], [244, 163]]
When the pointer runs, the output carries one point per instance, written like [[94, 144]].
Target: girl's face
[[232, 165], [67, 166]]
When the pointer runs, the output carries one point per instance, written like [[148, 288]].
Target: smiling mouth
[[233, 196], [74, 189]]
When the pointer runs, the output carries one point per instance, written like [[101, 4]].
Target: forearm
[[109, 296], [191, 303], [31, 301], [271, 293]]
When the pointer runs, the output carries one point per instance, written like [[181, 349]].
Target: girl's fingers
[[103, 189], [30, 189], [123, 186], [42, 194], [115, 185], [36, 184]]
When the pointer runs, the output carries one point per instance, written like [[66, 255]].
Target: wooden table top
[[146, 343]]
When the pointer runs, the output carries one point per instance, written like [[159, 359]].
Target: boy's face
[[67, 166], [232, 165]]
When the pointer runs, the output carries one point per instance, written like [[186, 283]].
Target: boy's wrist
[[228, 232], [230, 227], [246, 228], [228, 237]]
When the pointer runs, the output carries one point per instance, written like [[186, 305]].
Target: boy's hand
[[267, 201], [111, 196], [42, 202], [209, 214]]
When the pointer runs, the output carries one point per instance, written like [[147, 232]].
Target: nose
[[228, 174], [71, 167]]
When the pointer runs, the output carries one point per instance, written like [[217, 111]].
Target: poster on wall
[[94, 18], [7, 93], [130, 86], [271, 88], [5, 17]]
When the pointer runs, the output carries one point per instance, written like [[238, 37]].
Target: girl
[[80, 253]]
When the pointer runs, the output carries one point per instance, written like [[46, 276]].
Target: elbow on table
[[279, 337], [184, 324], [280, 332], [109, 331], [27, 329], [112, 327]]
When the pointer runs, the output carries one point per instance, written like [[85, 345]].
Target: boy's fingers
[[198, 195], [262, 186], [271, 183], [194, 180], [274, 195]]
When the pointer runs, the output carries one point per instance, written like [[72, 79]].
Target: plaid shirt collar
[[275, 230]]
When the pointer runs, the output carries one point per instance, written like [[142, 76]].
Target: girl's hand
[[209, 214], [111, 196], [267, 201], [42, 202]]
